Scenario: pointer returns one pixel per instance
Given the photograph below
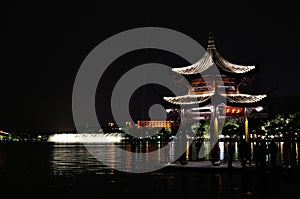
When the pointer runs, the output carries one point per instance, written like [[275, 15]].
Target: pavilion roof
[[236, 98], [189, 99], [243, 98], [210, 57]]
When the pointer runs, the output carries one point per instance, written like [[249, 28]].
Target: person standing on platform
[[245, 154], [273, 153], [230, 154]]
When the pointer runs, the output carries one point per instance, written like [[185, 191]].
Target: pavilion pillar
[[138, 124], [246, 130], [246, 126], [245, 150], [216, 128], [214, 136]]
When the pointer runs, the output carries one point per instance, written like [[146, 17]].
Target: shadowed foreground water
[[43, 169]]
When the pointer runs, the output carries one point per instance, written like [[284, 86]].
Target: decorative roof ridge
[[210, 57]]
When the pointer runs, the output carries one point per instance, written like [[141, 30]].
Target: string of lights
[[243, 98], [203, 64], [189, 99]]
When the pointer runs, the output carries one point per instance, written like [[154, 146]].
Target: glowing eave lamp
[[258, 109]]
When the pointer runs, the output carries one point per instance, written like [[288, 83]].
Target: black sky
[[45, 44]]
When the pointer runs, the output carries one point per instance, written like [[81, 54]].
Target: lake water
[[69, 170]]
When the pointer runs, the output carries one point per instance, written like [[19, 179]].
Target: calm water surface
[[69, 170]]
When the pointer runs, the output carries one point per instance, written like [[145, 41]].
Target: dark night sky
[[45, 44]]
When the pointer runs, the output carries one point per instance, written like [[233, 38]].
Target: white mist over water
[[85, 138]]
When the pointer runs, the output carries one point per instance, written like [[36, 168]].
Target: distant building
[[154, 124]]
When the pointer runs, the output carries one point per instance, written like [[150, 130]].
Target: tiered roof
[[211, 57]]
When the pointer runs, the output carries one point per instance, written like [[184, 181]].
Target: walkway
[[236, 166], [206, 165]]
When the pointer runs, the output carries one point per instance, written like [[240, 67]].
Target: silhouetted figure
[[245, 153], [230, 154], [273, 153], [167, 149], [260, 152], [198, 145], [263, 151], [293, 155], [215, 155], [257, 154], [287, 153], [182, 159]]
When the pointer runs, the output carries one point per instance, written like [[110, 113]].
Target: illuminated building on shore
[[154, 124]]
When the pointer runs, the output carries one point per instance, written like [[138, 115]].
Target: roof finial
[[211, 41]]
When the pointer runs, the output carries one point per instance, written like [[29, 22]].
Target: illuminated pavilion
[[222, 81]]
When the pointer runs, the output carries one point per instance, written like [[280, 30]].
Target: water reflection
[[70, 159], [53, 169], [263, 154]]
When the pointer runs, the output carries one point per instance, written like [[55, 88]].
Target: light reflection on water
[[57, 169], [75, 158], [65, 159], [72, 158]]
